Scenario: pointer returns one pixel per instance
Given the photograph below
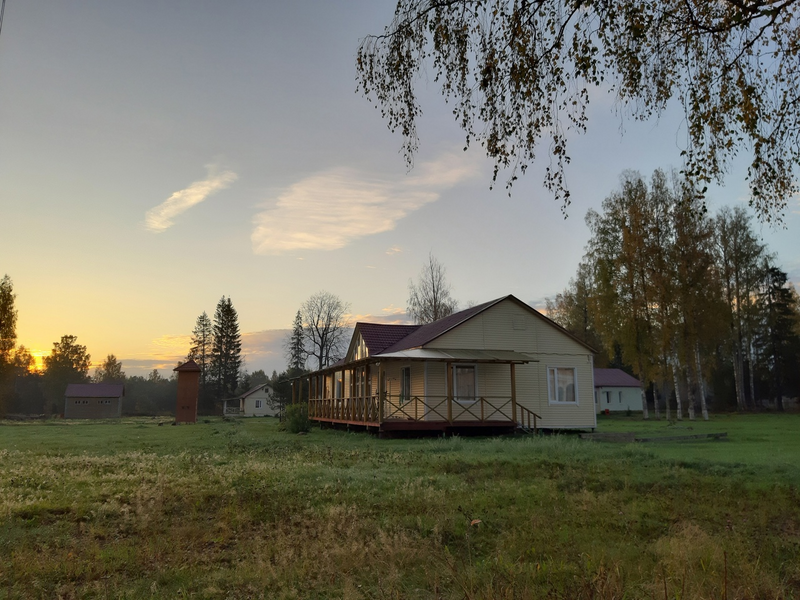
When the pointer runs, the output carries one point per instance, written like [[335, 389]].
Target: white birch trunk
[[656, 407], [701, 384], [738, 380], [690, 392], [645, 415], [678, 408], [751, 378]]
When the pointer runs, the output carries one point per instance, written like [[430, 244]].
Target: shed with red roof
[[93, 400], [615, 391]]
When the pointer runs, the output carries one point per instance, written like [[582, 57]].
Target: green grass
[[763, 440], [239, 509]]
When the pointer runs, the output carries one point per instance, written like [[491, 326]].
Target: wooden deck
[[420, 414]]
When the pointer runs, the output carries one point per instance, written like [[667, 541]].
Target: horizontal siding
[[508, 326], [250, 409]]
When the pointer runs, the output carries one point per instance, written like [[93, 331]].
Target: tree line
[[693, 304], [24, 389]]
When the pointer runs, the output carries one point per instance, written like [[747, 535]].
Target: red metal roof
[[614, 378], [188, 366], [409, 337], [95, 390], [379, 336]]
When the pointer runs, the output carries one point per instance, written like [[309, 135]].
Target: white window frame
[[259, 404], [405, 394], [552, 377], [474, 368]]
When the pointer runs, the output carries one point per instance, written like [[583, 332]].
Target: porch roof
[[459, 355]]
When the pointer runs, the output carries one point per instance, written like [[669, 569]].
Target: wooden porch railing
[[232, 410], [370, 410], [526, 417]]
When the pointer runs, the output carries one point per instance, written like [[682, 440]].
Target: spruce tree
[[226, 354], [202, 344], [295, 350]]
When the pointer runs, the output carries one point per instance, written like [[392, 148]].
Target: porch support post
[[343, 393], [513, 391], [449, 367], [381, 395], [368, 394]]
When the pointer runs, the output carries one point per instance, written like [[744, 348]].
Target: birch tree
[[618, 253], [520, 74], [324, 318], [429, 298], [739, 256]]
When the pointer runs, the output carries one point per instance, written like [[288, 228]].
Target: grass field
[[239, 509]]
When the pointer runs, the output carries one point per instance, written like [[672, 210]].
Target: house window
[[258, 403], [405, 385], [562, 386], [465, 383], [620, 397], [104, 401]]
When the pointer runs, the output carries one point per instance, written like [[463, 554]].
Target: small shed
[[93, 401], [615, 391], [188, 392], [255, 402]]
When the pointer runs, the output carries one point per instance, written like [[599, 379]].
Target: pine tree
[[776, 339], [202, 344], [295, 346], [226, 353]]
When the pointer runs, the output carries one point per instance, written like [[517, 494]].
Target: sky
[[156, 156]]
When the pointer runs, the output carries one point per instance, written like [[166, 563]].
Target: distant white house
[[255, 402], [615, 390]]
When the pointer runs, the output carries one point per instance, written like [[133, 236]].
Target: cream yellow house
[[258, 401], [498, 366]]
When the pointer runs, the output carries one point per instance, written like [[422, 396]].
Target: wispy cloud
[[391, 316], [393, 250], [160, 218], [329, 210], [393, 310], [258, 345]]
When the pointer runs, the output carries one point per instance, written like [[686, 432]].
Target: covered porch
[[396, 393], [232, 407]]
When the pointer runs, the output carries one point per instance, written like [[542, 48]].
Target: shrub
[[297, 418]]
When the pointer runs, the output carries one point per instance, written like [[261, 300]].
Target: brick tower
[[188, 391]]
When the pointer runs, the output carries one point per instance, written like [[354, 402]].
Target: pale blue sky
[[156, 156]]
